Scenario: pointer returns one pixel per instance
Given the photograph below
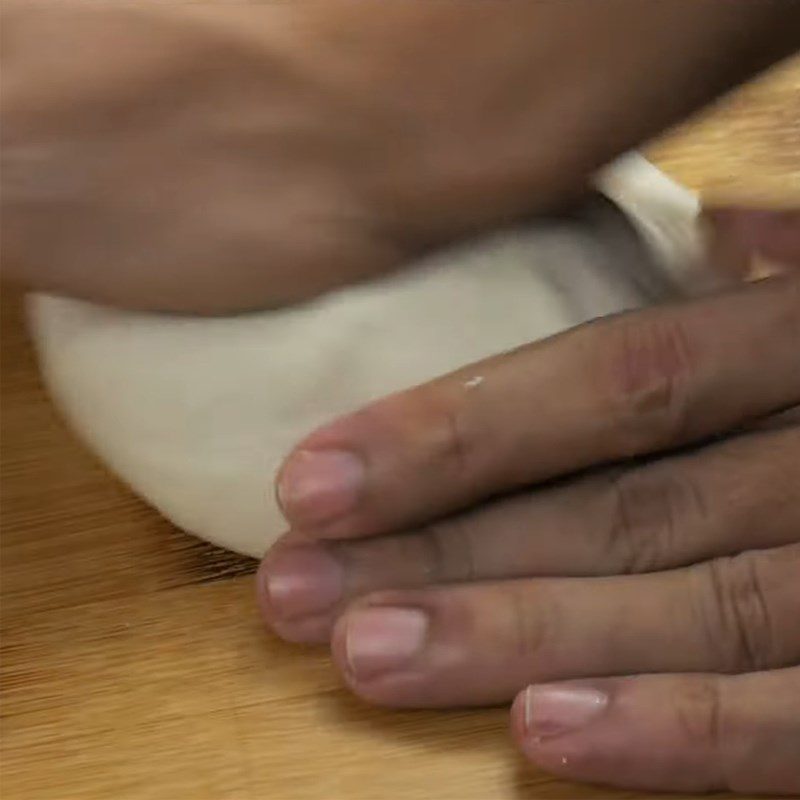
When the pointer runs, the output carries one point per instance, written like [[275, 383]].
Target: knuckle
[[622, 532], [441, 419], [455, 440], [651, 362], [430, 424], [699, 704], [530, 620], [764, 483], [708, 723], [698, 707], [739, 614], [450, 551], [653, 508]]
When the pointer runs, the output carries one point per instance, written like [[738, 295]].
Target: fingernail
[[317, 486], [380, 640], [551, 710], [301, 581]]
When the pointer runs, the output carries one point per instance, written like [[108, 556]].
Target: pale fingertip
[[551, 710], [301, 581], [316, 487], [382, 640]]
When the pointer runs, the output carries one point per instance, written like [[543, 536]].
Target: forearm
[[524, 99], [212, 157]]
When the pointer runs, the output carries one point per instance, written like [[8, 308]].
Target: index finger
[[617, 388]]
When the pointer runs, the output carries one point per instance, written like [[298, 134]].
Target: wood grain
[[134, 666]]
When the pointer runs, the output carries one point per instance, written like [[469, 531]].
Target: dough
[[196, 414]]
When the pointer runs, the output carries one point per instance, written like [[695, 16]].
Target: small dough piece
[[196, 414]]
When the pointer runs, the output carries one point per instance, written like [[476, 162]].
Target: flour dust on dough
[[196, 414]]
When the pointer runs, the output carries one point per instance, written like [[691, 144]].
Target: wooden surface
[[134, 666]]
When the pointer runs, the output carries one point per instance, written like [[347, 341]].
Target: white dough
[[196, 414]]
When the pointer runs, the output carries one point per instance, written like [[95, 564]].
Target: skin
[[623, 562], [334, 139], [643, 522]]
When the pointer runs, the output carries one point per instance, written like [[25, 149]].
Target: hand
[[647, 590], [209, 159]]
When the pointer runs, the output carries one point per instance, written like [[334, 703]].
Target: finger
[[740, 238], [482, 643], [728, 497], [687, 733], [621, 387]]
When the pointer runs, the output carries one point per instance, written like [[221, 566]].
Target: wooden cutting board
[[134, 665]]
